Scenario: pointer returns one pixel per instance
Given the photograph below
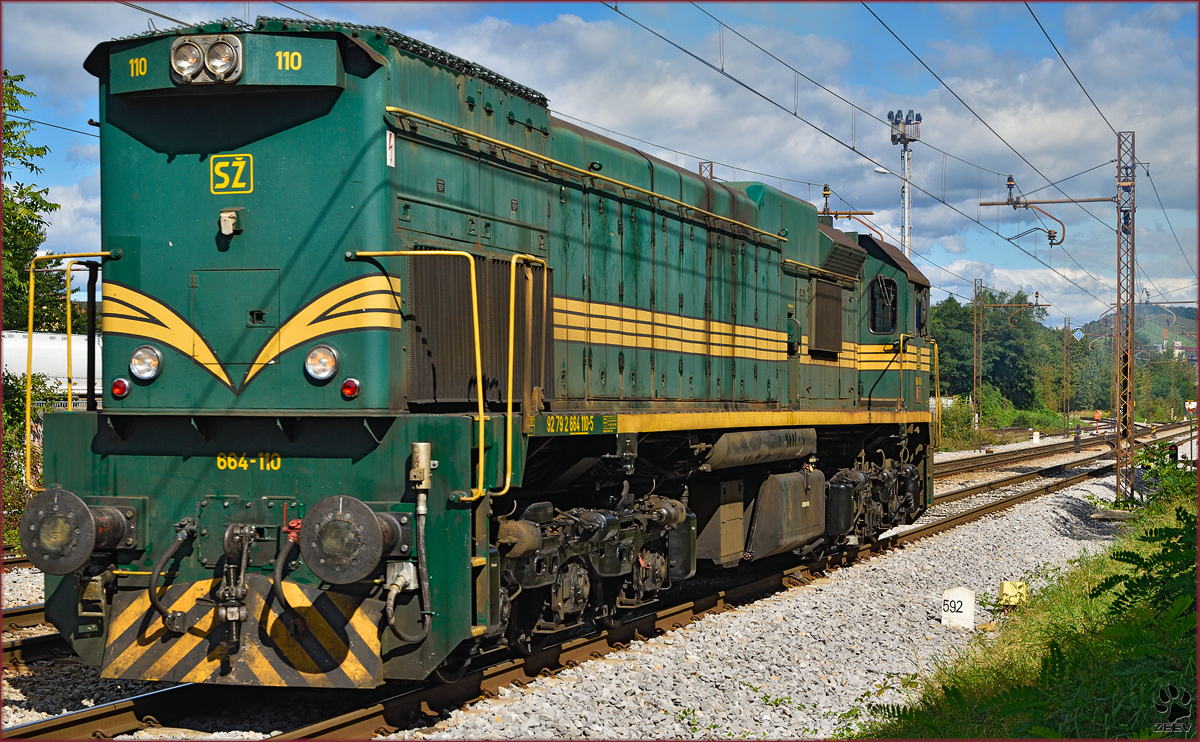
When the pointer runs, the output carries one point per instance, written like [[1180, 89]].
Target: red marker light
[[120, 387], [350, 388]]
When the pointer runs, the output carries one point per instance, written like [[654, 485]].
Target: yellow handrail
[[512, 330], [937, 392], [479, 491], [587, 173], [29, 357], [814, 269], [70, 375]]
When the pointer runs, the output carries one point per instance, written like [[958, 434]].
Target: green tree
[[26, 208]]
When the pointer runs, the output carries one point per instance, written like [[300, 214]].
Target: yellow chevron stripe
[[367, 303], [153, 320], [357, 619]]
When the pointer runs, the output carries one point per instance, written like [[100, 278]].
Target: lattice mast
[[1123, 345]]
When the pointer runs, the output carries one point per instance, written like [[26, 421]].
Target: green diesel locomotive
[[402, 371]]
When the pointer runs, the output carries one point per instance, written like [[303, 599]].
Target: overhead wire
[[834, 93], [800, 118], [296, 10], [1114, 131], [1064, 61], [151, 12], [1164, 211], [53, 126]]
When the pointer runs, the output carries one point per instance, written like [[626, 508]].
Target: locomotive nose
[[59, 531]]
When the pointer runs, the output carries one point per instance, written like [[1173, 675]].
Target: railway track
[[31, 645], [389, 708]]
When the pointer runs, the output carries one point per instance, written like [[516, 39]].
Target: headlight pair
[[206, 59]]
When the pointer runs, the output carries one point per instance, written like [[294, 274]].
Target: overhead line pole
[[1126, 302]]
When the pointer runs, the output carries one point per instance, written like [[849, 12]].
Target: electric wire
[[944, 153], [1064, 61], [296, 10], [985, 123], [744, 85], [680, 152], [53, 126], [834, 93], [151, 12], [1114, 131], [1164, 211], [1063, 180]]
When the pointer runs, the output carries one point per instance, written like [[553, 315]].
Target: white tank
[[50, 358]]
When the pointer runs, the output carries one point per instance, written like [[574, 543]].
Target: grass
[[1091, 654]]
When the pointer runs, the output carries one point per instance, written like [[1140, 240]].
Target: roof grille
[[418, 48], [844, 260]]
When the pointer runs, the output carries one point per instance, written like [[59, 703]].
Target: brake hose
[[299, 627], [423, 578], [183, 531]]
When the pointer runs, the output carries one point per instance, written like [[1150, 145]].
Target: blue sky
[[1137, 60]]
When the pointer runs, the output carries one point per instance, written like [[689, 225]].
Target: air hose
[[422, 577], [299, 627], [171, 619]]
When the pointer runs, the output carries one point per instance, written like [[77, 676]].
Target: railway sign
[[1078, 334], [958, 608]]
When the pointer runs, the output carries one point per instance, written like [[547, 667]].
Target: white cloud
[[75, 227]]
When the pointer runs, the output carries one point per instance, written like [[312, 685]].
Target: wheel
[[451, 670]]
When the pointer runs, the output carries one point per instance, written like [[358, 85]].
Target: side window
[[923, 312], [883, 306]]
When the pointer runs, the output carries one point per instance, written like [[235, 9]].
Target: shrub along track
[[385, 709]]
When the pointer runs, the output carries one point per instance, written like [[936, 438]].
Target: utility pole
[[905, 129], [1123, 345], [1066, 375], [978, 359]]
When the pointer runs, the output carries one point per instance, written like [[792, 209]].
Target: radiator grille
[[441, 336], [826, 318]]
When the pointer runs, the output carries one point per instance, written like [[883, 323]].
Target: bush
[[16, 494], [1106, 650]]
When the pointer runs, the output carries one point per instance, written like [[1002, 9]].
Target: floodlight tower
[[905, 129]]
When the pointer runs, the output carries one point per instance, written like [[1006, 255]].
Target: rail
[[385, 709], [402, 113]]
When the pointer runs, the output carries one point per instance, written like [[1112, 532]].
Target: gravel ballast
[[791, 664]]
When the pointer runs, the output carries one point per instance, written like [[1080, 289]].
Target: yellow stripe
[[357, 619], [663, 421], [326, 635], [181, 646], [137, 648], [126, 618], [598, 309]]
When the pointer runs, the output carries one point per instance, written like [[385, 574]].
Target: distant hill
[[1179, 323]]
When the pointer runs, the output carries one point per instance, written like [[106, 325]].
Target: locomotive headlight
[[321, 362], [187, 59], [146, 362], [221, 59]]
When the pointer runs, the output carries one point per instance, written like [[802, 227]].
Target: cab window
[[882, 320]]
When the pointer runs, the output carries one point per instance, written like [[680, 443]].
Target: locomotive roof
[[388, 36], [896, 255]]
